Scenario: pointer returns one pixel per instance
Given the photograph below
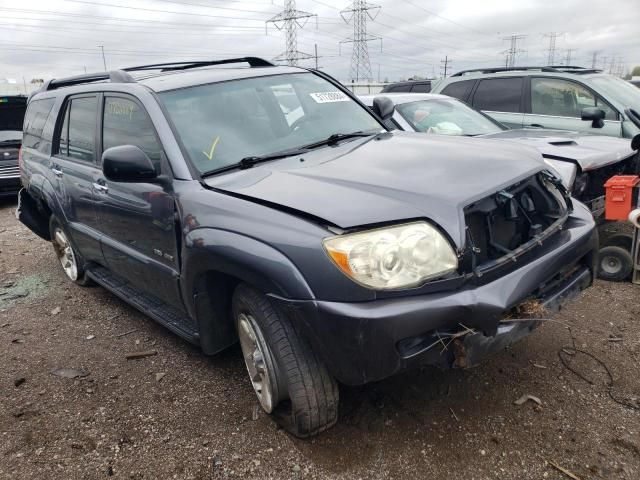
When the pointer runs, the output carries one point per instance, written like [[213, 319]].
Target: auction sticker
[[329, 97]]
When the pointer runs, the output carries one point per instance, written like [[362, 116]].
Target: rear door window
[[127, 123], [35, 119], [78, 132], [563, 98], [499, 95], [459, 90]]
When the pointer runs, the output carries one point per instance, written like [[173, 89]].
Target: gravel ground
[[182, 415]]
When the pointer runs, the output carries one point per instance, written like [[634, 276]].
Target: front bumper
[[369, 341]]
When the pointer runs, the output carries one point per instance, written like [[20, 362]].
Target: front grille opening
[[505, 224]]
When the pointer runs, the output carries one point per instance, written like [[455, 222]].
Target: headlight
[[395, 257]]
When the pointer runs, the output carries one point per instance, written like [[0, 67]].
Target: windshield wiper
[[336, 137], [248, 162]]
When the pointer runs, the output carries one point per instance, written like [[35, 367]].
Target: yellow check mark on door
[[213, 149]]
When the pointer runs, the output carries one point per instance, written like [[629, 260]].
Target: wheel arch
[[214, 263]]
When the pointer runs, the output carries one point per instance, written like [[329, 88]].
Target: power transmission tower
[[358, 13], [551, 51], [446, 63], [289, 20], [594, 59], [513, 50], [567, 60]]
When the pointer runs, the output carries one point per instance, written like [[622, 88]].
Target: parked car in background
[[635, 83], [566, 98], [584, 162], [331, 249], [415, 86], [12, 110]]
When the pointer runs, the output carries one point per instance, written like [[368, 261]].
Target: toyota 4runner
[[268, 206]]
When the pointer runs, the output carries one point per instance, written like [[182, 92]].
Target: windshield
[[618, 90], [446, 117], [220, 124]]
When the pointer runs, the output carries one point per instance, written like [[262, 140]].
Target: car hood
[[590, 152], [389, 178]]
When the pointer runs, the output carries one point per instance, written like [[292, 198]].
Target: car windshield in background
[[619, 90], [222, 123], [446, 117]]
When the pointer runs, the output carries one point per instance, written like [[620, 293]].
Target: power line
[[358, 13], [289, 20]]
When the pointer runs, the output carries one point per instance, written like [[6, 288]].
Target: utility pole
[[513, 50], [315, 46], [289, 20], [551, 51], [104, 61], [445, 65], [358, 13], [594, 59]]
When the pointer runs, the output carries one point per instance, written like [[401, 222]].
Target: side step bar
[[162, 313]]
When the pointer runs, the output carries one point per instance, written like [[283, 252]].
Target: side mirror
[[595, 115], [634, 217], [383, 107], [635, 142], [129, 164]]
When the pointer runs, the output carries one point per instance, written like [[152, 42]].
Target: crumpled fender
[[242, 257]]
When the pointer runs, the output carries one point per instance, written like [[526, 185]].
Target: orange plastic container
[[622, 196]]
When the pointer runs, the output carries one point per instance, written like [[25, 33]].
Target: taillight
[[20, 159]]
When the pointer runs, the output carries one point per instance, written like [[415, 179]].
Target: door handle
[[101, 188], [57, 172], [536, 125]]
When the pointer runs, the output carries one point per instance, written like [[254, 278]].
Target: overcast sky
[[53, 38]]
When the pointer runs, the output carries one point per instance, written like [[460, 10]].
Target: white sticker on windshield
[[329, 97]]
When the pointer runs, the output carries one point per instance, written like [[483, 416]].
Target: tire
[[304, 396], [615, 264], [70, 260], [622, 240]]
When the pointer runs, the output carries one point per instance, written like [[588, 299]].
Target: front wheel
[[289, 379], [69, 259]]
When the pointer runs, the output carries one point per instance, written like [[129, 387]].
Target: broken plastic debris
[[523, 399]]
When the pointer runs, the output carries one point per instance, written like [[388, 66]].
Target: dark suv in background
[[413, 86], [12, 109], [268, 206]]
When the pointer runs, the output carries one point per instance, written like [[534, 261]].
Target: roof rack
[[115, 76], [166, 67], [552, 68], [122, 76]]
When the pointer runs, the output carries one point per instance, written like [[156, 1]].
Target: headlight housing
[[401, 256]]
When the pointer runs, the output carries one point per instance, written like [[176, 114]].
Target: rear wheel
[[615, 264], [69, 259], [289, 379]]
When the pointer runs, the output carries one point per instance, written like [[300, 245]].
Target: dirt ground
[[182, 415]]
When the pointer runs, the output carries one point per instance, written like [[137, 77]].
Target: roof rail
[[551, 68], [115, 76], [503, 69], [166, 67]]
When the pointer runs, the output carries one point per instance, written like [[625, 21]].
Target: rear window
[[459, 90], [34, 121], [78, 133], [400, 88], [499, 95], [11, 117], [421, 88]]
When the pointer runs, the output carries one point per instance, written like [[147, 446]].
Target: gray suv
[[561, 98], [267, 206]]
